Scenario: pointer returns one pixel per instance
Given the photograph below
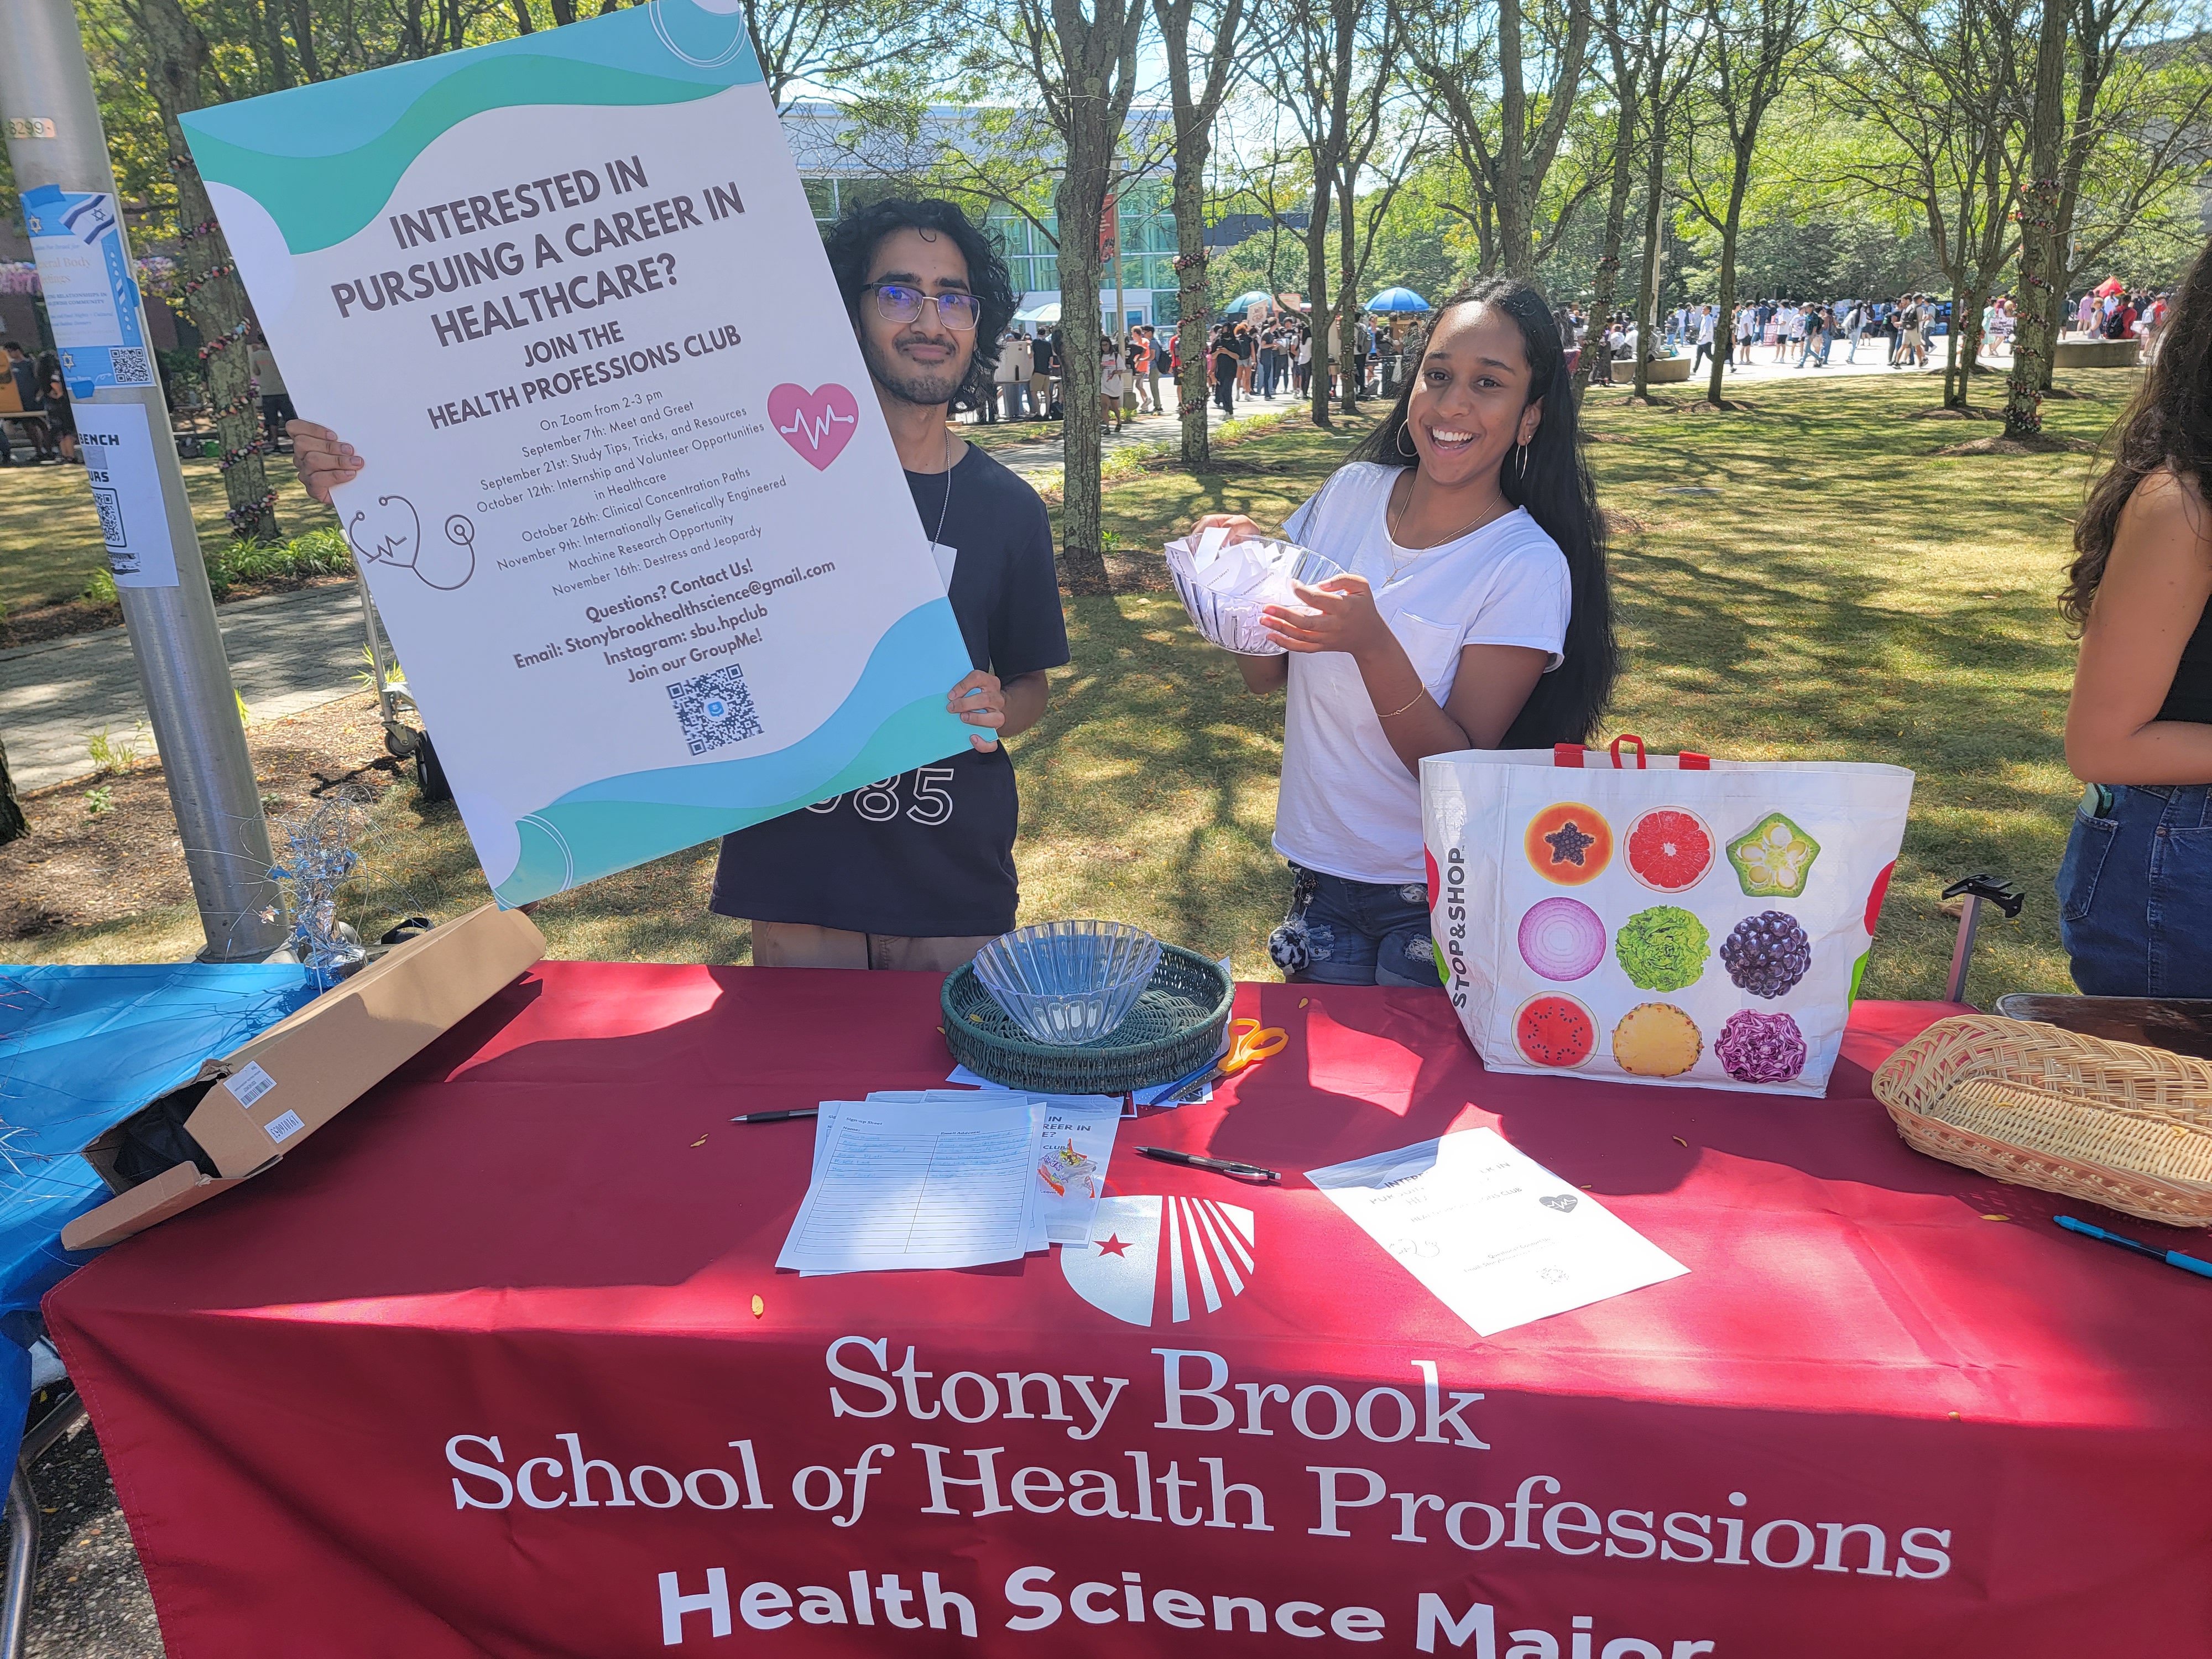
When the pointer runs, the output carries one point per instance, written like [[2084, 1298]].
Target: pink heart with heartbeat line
[[818, 424]]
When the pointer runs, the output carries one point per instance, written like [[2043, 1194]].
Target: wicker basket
[[1174, 1029], [2110, 1123]]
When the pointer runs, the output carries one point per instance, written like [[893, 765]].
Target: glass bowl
[[1068, 982]]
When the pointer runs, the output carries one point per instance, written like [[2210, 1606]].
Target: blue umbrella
[[1246, 301], [1397, 299]]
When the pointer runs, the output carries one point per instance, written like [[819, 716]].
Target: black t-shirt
[[931, 853]]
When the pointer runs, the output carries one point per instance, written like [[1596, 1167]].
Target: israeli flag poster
[[631, 511]]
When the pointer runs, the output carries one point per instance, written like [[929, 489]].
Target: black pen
[[1219, 1166], [775, 1117]]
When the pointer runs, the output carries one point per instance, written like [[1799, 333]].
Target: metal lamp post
[[55, 138]]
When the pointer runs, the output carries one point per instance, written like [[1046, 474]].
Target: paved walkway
[[288, 651], [1871, 361], [1045, 456]]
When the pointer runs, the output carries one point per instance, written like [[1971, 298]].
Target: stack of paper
[[950, 1178]]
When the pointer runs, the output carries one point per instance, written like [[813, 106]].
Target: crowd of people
[[1264, 358], [1900, 333]]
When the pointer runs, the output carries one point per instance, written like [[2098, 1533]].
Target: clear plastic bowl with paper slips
[[1226, 584]]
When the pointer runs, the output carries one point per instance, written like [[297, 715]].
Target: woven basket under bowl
[[2110, 1123], [1174, 1028]]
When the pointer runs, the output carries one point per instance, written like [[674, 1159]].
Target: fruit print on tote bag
[[1658, 919]]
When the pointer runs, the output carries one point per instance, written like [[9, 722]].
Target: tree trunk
[[1607, 278], [1647, 288], [1954, 389], [1513, 207], [1348, 299], [12, 824], [176, 54], [1081, 201], [303, 39], [1197, 308], [1317, 299], [2042, 263], [1193, 144], [1729, 227]]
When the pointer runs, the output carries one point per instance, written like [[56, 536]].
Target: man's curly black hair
[[851, 244]]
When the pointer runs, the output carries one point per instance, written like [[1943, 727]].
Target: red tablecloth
[[345, 1405]]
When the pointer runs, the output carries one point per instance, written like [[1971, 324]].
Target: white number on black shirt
[[879, 803], [931, 804]]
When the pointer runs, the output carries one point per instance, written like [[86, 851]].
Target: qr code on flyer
[[716, 709], [105, 503], [129, 367]]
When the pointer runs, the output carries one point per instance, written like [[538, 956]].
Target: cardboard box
[[250, 1107]]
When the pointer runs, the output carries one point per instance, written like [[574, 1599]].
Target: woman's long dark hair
[[2168, 424], [1560, 496]]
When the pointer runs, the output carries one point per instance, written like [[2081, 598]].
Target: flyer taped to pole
[[630, 508]]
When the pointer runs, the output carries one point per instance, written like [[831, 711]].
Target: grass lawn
[[50, 540], [1846, 595]]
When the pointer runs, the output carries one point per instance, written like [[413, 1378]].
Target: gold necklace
[[1398, 566]]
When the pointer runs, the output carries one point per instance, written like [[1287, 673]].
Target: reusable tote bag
[[1658, 919]]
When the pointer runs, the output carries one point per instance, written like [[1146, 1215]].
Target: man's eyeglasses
[[899, 302]]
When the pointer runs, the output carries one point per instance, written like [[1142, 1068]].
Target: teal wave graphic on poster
[[323, 178], [619, 822]]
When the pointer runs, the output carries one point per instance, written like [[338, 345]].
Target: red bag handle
[[1574, 755]]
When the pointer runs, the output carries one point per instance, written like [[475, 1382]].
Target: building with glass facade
[[841, 167]]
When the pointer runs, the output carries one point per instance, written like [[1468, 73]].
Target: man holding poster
[[914, 872], [626, 508]]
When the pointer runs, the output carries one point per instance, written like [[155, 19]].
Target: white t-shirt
[[1706, 321], [1348, 806]]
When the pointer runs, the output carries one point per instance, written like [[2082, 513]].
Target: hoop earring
[[1398, 443], [1524, 461]]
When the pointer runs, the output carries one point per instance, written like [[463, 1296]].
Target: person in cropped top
[[2136, 888]]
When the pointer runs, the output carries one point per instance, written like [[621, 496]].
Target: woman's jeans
[[1354, 933], [2135, 894]]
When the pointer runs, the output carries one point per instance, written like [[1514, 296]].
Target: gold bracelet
[[1410, 702]]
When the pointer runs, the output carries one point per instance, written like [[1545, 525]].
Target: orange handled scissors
[[1253, 1044]]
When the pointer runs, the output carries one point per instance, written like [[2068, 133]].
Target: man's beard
[[907, 382]]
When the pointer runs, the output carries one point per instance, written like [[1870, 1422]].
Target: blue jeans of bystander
[[1354, 933], [2135, 893]]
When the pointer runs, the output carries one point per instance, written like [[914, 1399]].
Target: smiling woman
[[1474, 614]]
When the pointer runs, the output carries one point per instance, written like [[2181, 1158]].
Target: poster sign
[[118, 446], [76, 237], [630, 508]]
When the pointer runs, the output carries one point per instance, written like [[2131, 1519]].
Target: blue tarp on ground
[[82, 1049]]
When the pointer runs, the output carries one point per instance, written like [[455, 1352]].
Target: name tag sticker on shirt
[[946, 557]]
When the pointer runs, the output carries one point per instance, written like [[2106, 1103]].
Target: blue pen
[[2188, 1264]]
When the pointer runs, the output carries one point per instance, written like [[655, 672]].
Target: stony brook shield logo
[[1202, 1249]]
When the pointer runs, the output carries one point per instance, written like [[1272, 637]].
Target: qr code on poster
[[110, 509], [129, 366], [716, 709]]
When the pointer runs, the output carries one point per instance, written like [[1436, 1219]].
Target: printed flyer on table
[[631, 511]]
